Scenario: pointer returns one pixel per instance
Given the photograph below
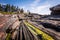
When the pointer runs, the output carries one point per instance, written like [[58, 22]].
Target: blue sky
[[35, 6]]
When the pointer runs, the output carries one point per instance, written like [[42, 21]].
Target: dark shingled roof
[[55, 8]]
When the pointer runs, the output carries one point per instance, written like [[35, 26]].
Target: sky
[[34, 6]]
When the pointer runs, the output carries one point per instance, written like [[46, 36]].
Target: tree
[[28, 11], [0, 7], [7, 8], [22, 10], [13, 8], [17, 8]]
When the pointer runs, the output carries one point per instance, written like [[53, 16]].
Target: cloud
[[35, 3], [40, 9], [43, 9], [3, 3]]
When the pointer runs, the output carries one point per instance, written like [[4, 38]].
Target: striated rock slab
[[8, 24]]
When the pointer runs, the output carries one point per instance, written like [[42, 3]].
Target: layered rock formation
[[7, 24]]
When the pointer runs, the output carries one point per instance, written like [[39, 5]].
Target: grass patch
[[7, 12]]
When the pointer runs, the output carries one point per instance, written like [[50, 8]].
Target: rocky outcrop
[[8, 24]]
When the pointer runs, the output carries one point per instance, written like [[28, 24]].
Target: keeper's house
[[55, 10]]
